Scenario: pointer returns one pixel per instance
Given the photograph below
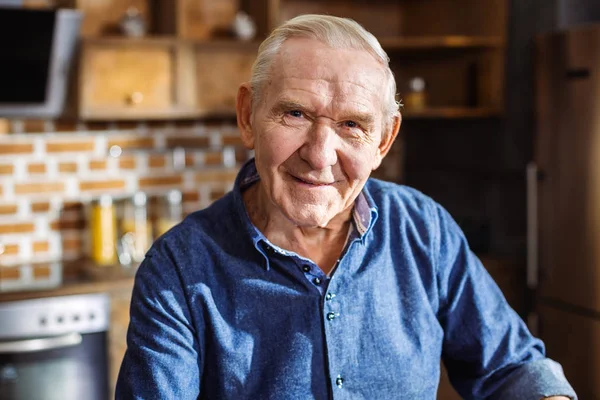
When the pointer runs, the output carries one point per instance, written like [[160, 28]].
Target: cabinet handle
[[532, 226], [33, 345], [135, 98]]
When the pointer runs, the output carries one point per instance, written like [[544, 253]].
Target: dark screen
[[25, 50]]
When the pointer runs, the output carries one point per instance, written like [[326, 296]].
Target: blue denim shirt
[[219, 312]]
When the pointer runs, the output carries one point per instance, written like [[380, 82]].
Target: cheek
[[358, 164], [276, 147]]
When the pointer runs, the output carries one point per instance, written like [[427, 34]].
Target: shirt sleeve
[[162, 360], [487, 350]]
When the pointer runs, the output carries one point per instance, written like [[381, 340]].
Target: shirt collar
[[364, 213]]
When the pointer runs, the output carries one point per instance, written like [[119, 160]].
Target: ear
[[243, 108], [387, 139]]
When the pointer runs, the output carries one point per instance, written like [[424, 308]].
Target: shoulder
[[392, 198]]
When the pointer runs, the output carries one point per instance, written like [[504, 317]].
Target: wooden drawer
[[132, 80], [220, 69]]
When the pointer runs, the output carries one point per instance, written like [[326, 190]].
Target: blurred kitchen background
[[117, 120]]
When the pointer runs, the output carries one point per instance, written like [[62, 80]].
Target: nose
[[320, 148]]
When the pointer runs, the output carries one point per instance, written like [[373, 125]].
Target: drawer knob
[[135, 98]]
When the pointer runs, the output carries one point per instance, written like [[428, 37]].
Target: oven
[[54, 348]]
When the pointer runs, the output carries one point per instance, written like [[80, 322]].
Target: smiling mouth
[[315, 184]]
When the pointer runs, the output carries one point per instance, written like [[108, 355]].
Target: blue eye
[[351, 124], [295, 113]]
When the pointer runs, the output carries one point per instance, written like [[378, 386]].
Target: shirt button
[[306, 268], [330, 316], [329, 296], [339, 381], [317, 281]]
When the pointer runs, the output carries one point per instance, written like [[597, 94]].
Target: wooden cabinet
[[135, 79], [189, 19], [220, 68], [456, 46], [459, 57], [102, 17]]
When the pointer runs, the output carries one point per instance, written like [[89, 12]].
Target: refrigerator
[[564, 204]]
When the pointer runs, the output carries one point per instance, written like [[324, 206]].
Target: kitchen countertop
[[88, 278]]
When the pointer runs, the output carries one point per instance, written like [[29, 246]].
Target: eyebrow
[[359, 117], [287, 105]]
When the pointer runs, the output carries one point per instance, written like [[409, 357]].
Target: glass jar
[[136, 231], [170, 212], [416, 96], [103, 231]]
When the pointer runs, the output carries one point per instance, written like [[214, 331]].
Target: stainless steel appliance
[[54, 348], [564, 204], [37, 53]]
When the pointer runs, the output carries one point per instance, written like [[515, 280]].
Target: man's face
[[317, 131]]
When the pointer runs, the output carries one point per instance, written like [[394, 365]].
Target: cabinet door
[[574, 341], [127, 81], [220, 70], [117, 336]]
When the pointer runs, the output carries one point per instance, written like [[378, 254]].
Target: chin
[[308, 218]]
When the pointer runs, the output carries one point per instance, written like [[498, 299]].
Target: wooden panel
[[263, 13], [570, 193], [465, 78], [383, 18], [203, 19], [219, 73], [101, 17], [574, 341], [129, 79], [489, 75], [460, 17], [448, 78]]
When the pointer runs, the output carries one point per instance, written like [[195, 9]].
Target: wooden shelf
[[442, 42], [452, 112], [173, 40], [399, 43], [133, 41]]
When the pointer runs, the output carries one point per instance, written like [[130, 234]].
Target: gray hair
[[336, 32]]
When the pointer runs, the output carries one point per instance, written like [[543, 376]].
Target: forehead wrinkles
[[336, 90]]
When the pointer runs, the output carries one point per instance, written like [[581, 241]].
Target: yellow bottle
[[103, 231]]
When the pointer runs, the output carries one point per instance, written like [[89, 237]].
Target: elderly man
[[310, 280]]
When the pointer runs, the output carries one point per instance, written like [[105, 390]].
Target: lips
[[311, 182]]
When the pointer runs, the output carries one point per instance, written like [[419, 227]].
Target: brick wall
[[50, 171]]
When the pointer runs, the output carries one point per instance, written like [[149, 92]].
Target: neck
[[322, 245]]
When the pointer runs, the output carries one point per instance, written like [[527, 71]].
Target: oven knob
[[8, 373]]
